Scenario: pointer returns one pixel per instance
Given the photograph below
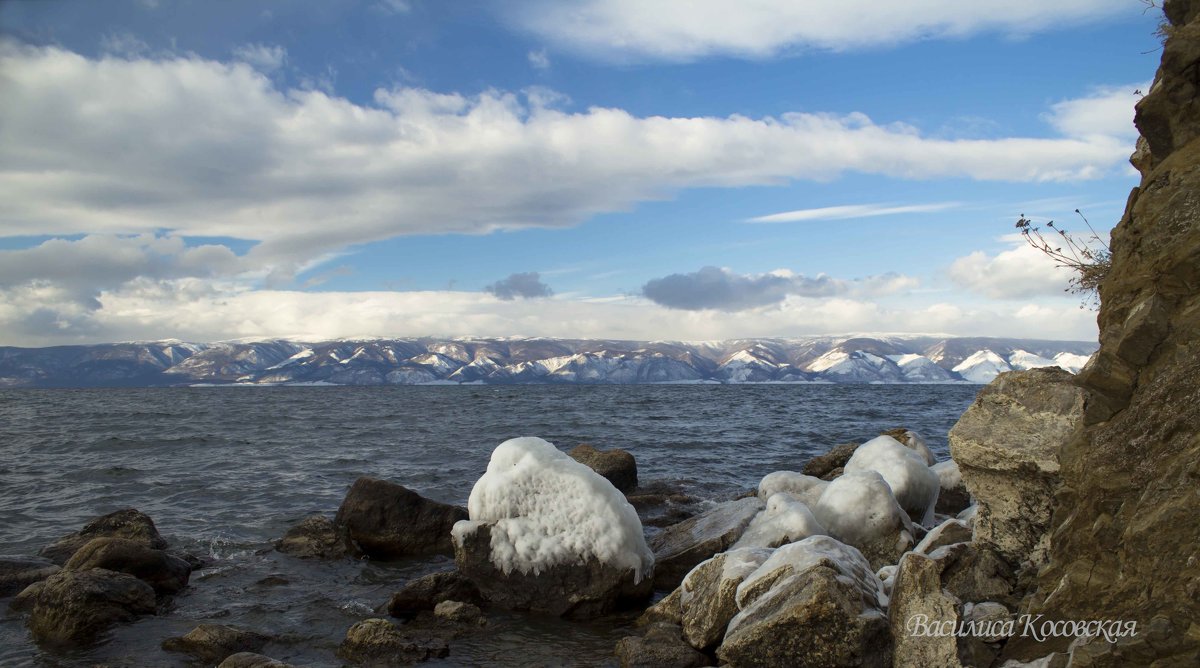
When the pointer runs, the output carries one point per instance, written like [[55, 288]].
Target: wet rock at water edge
[[660, 646], [426, 592], [458, 612], [830, 464], [315, 537], [616, 465], [680, 547], [252, 660], [661, 503], [384, 520], [215, 642], [378, 642], [17, 573], [128, 523], [165, 572], [73, 608]]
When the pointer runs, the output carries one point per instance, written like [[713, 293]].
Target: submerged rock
[[549, 534], [661, 503], [384, 520], [128, 523], [1006, 445], [17, 573], [73, 608], [315, 537], [859, 510], [680, 547], [660, 646], [215, 642], [616, 465], [378, 642], [813, 603], [427, 591], [165, 572]]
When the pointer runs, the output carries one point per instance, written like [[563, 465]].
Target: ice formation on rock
[[806, 488], [785, 520], [913, 484]]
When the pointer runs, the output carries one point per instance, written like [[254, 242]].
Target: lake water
[[225, 471]]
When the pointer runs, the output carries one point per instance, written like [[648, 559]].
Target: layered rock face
[[1125, 526]]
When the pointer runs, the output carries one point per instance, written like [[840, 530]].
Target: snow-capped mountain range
[[845, 359]]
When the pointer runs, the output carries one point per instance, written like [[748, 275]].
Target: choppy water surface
[[225, 471]]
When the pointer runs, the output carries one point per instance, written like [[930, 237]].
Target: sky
[[679, 169]]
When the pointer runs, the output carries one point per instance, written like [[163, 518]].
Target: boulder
[[215, 642], [708, 595], [807, 489], [165, 572], [661, 646], [918, 611], [680, 547], [315, 537], [127, 523], [1006, 445], [73, 608], [427, 591], [824, 466], [812, 603], [580, 589], [953, 497], [384, 520], [667, 609], [17, 573], [859, 510], [616, 465], [378, 642], [548, 533], [784, 520], [252, 660], [913, 484], [975, 573], [459, 612]]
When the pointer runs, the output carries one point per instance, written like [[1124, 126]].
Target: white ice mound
[[913, 484], [948, 473], [859, 509], [806, 488], [548, 509], [916, 442], [785, 520]]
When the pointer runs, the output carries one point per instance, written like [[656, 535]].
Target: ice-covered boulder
[[708, 595], [913, 484], [913, 441], [947, 533], [785, 520], [681, 546], [816, 602], [550, 534], [806, 488], [859, 509]]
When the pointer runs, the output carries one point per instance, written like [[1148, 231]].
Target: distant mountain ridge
[[414, 361]]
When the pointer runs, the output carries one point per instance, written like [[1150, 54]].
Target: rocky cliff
[[1126, 524]]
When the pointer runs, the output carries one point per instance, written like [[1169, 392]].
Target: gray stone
[[252, 660], [73, 608], [709, 592], [378, 642], [215, 642], [947, 533], [1007, 445], [616, 465], [384, 520], [459, 612], [425, 592], [315, 537], [127, 523], [680, 547], [832, 461], [165, 572], [918, 597]]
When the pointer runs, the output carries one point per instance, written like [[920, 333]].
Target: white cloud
[[262, 57], [394, 6], [221, 151], [851, 211], [539, 59], [1017, 273], [123, 44], [690, 29], [1107, 111]]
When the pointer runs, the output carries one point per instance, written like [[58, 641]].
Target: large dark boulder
[[425, 592], [384, 520], [128, 523], [167, 573], [216, 642], [616, 465], [17, 573], [73, 608], [315, 537]]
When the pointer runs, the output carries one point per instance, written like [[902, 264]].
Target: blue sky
[[668, 170]]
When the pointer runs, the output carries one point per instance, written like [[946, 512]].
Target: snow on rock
[[805, 488], [1023, 360], [1070, 361], [913, 441], [948, 474], [548, 509], [981, 367], [708, 594], [785, 520], [913, 484], [858, 508]]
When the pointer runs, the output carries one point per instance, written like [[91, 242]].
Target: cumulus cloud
[[1020, 272], [720, 289], [851, 211], [262, 57], [682, 30], [120, 145], [526, 285], [1107, 111]]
